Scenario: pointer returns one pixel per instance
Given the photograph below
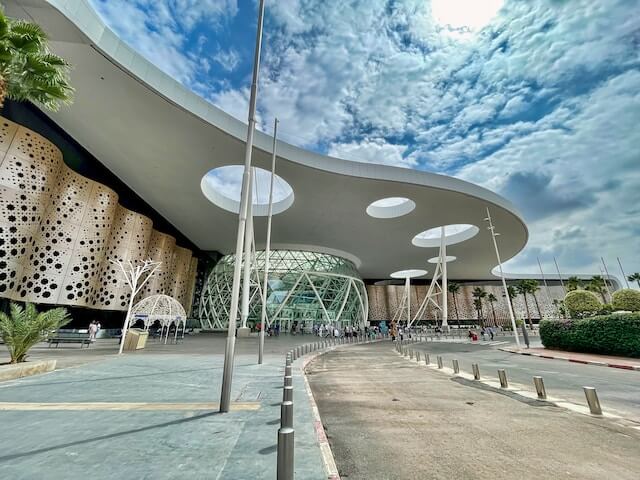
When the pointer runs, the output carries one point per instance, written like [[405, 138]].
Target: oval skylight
[[411, 273], [390, 207], [452, 234], [448, 258], [222, 187]]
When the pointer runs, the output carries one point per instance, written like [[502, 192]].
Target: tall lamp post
[[491, 228], [267, 249], [227, 373]]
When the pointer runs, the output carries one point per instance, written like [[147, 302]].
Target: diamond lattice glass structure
[[304, 287]]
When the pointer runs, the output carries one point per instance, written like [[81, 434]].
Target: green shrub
[[627, 299], [24, 327], [605, 309], [581, 303], [615, 334]]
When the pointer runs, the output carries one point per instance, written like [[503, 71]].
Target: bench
[[58, 338]]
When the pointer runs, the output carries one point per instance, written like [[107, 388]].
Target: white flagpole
[[559, 275], [546, 289], [227, 374], [504, 282], [622, 271], [267, 249]]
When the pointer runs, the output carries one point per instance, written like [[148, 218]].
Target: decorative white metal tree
[[135, 276]]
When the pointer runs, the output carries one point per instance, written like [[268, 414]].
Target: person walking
[[93, 329]]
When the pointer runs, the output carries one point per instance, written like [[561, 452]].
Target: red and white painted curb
[[573, 360]]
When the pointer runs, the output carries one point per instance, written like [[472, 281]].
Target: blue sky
[[537, 100]]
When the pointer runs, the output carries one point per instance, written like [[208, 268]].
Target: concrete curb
[[572, 360], [26, 369]]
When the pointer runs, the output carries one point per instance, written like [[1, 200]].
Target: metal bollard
[[286, 415], [285, 453], [418, 357], [476, 371], [411, 354], [592, 400], [439, 361], [288, 381], [456, 366], [540, 390], [427, 360], [287, 371], [502, 375], [288, 359], [287, 394]]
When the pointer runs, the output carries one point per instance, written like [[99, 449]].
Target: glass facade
[[303, 288]]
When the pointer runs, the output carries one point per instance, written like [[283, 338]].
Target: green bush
[[25, 326], [615, 334], [581, 303], [627, 299]]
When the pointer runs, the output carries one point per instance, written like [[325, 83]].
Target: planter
[[25, 369]]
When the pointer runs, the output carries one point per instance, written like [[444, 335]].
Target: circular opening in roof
[[391, 207], [222, 187], [452, 234], [411, 273]]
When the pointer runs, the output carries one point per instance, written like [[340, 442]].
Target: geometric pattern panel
[[58, 231], [303, 287], [386, 299]]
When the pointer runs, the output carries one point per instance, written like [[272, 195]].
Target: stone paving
[[185, 439]]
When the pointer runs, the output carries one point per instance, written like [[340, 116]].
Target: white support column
[[443, 261], [407, 286], [246, 276]]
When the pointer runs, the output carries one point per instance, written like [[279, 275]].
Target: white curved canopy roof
[[161, 139]]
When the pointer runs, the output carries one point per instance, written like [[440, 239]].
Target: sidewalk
[[575, 357], [154, 416]]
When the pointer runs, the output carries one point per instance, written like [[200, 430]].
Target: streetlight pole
[[491, 228], [267, 249], [227, 374]]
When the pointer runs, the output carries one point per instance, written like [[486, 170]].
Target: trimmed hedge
[[582, 303], [615, 334], [627, 299]]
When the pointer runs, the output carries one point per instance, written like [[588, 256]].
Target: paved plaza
[[153, 415]]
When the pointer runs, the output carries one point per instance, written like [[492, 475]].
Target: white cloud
[[227, 59], [373, 151]]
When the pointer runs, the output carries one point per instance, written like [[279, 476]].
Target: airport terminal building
[[126, 173]]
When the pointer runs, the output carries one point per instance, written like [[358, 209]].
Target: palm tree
[[598, 285], [491, 298], [512, 293], [24, 327], [478, 294], [573, 283], [534, 286], [523, 287], [454, 289], [28, 70], [635, 277]]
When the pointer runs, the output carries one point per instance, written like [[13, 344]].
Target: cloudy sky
[[538, 100]]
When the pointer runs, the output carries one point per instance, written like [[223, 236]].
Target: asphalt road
[[618, 390], [388, 418]]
